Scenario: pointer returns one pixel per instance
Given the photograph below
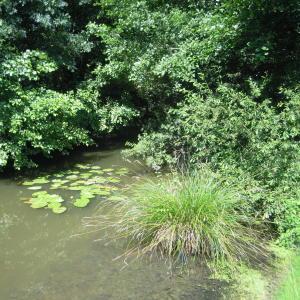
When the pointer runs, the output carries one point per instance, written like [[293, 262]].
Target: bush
[[40, 121], [241, 137], [44, 121], [190, 215], [229, 127]]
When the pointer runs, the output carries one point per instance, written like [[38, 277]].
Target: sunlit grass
[[290, 288], [185, 216]]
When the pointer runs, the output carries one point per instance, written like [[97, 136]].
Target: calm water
[[40, 258]]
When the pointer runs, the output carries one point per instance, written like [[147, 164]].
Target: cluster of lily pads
[[43, 199], [90, 181]]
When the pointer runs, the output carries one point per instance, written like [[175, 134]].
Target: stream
[[49, 256]]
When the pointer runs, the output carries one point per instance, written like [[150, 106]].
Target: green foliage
[[72, 180], [229, 128], [211, 81], [191, 215], [41, 121], [41, 43], [44, 200]]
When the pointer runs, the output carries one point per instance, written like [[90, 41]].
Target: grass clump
[[186, 216]]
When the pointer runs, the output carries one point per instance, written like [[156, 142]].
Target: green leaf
[[81, 202], [38, 203], [54, 205], [59, 210], [34, 188]]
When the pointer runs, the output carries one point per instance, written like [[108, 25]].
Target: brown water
[[40, 258]]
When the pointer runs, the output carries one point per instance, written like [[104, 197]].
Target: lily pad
[[54, 205], [98, 172], [96, 168], [55, 186], [81, 202], [54, 198], [75, 188], [28, 183], [89, 194], [80, 166], [59, 181], [72, 177], [38, 203], [85, 175], [113, 179], [75, 172], [40, 180], [34, 188], [59, 210], [39, 193]]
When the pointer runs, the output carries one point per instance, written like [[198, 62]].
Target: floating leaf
[[96, 168], [98, 172], [55, 186], [34, 188], [28, 183], [121, 173], [75, 172], [85, 175], [40, 181], [39, 193], [72, 177], [59, 210], [54, 198], [113, 179], [38, 203], [81, 202], [75, 188], [87, 194], [80, 166], [60, 181], [54, 205]]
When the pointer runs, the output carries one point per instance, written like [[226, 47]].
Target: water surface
[[40, 258]]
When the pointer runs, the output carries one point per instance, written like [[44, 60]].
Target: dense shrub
[[230, 127], [43, 121], [238, 135]]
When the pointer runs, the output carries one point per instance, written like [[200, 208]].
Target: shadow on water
[[41, 257]]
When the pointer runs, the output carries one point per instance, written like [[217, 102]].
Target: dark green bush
[[229, 128]]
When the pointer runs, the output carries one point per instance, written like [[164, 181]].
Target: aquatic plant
[[190, 215], [86, 179], [43, 199]]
